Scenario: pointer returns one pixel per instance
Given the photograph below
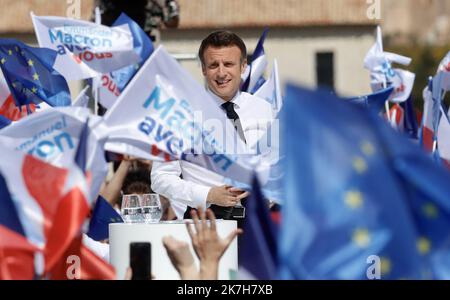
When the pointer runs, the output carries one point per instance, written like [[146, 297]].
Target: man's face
[[222, 70]]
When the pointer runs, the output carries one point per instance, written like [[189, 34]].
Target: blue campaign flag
[[362, 201], [81, 154], [4, 121], [30, 75], [374, 101], [410, 124], [259, 247], [102, 216]]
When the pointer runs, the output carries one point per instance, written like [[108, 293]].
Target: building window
[[325, 69]]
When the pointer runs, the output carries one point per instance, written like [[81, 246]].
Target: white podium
[[122, 234]]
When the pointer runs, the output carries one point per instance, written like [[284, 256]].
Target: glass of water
[[151, 206], [132, 209]]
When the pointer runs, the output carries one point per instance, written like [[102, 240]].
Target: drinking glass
[[151, 206], [132, 209]]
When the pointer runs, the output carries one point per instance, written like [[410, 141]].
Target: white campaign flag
[[85, 49], [165, 114], [53, 135], [82, 99], [382, 74], [271, 91]]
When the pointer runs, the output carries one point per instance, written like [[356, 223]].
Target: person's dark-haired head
[[219, 39], [223, 56]]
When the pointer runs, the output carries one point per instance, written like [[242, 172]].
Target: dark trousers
[[221, 212]]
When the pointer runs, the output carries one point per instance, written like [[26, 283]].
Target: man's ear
[[243, 66], [203, 70]]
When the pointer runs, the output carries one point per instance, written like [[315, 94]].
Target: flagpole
[[97, 79]]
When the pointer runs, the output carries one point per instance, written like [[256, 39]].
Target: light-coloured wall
[[295, 50]]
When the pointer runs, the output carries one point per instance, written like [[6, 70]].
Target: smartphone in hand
[[141, 260]]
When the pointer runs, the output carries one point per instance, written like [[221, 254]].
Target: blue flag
[[374, 101], [30, 75], [362, 201], [102, 216], [410, 125], [4, 121], [259, 247]]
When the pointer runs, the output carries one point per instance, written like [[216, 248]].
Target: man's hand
[[207, 244], [181, 257], [225, 195]]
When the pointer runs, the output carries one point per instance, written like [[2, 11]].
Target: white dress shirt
[[254, 114]]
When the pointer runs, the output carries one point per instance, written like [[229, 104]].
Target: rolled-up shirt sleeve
[[166, 181]]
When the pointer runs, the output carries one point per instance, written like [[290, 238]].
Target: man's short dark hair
[[222, 38]]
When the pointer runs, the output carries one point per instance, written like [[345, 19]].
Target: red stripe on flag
[[89, 265], [427, 139], [16, 256], [10, 110], [45, 183]]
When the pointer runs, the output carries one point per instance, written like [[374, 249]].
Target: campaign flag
[[259, 242], [253, 75], [44, 205], [102, 216], [164, 114], [82, 99], [374, 101], [53, 136], [383, 75], [113, 83], [427, 130], [85, 49], [271, 91], [373, 205], [397, 117], [30, 75], [4, 121]]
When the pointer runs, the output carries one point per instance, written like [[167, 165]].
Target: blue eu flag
[[30, 75], [102, 216], [374, 101], [362, 201]]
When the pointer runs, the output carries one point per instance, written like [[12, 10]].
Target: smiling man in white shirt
[[223, 57]]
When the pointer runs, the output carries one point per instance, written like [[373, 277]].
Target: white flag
[[53, 135], [85, 49], [383, 75], [270, 90]]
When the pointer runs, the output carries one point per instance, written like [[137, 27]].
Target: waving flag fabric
[[112, 84], [30, 75], [374, 101], [372, 200], [253, 77], [85, 49], [271, 91], [53, 136], [102, 216], [383, 75]]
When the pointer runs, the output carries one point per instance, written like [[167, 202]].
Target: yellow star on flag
[[423, 245], [10, 52], [34, 89], [367, 148], [361, 237], [35, 76], [430, 210], [353, 199], [385, 265], [30, 62], [359, 164], [3, 60]]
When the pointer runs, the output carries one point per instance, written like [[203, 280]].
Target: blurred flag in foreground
[[102, 216], [259, 247], [362, 201]]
